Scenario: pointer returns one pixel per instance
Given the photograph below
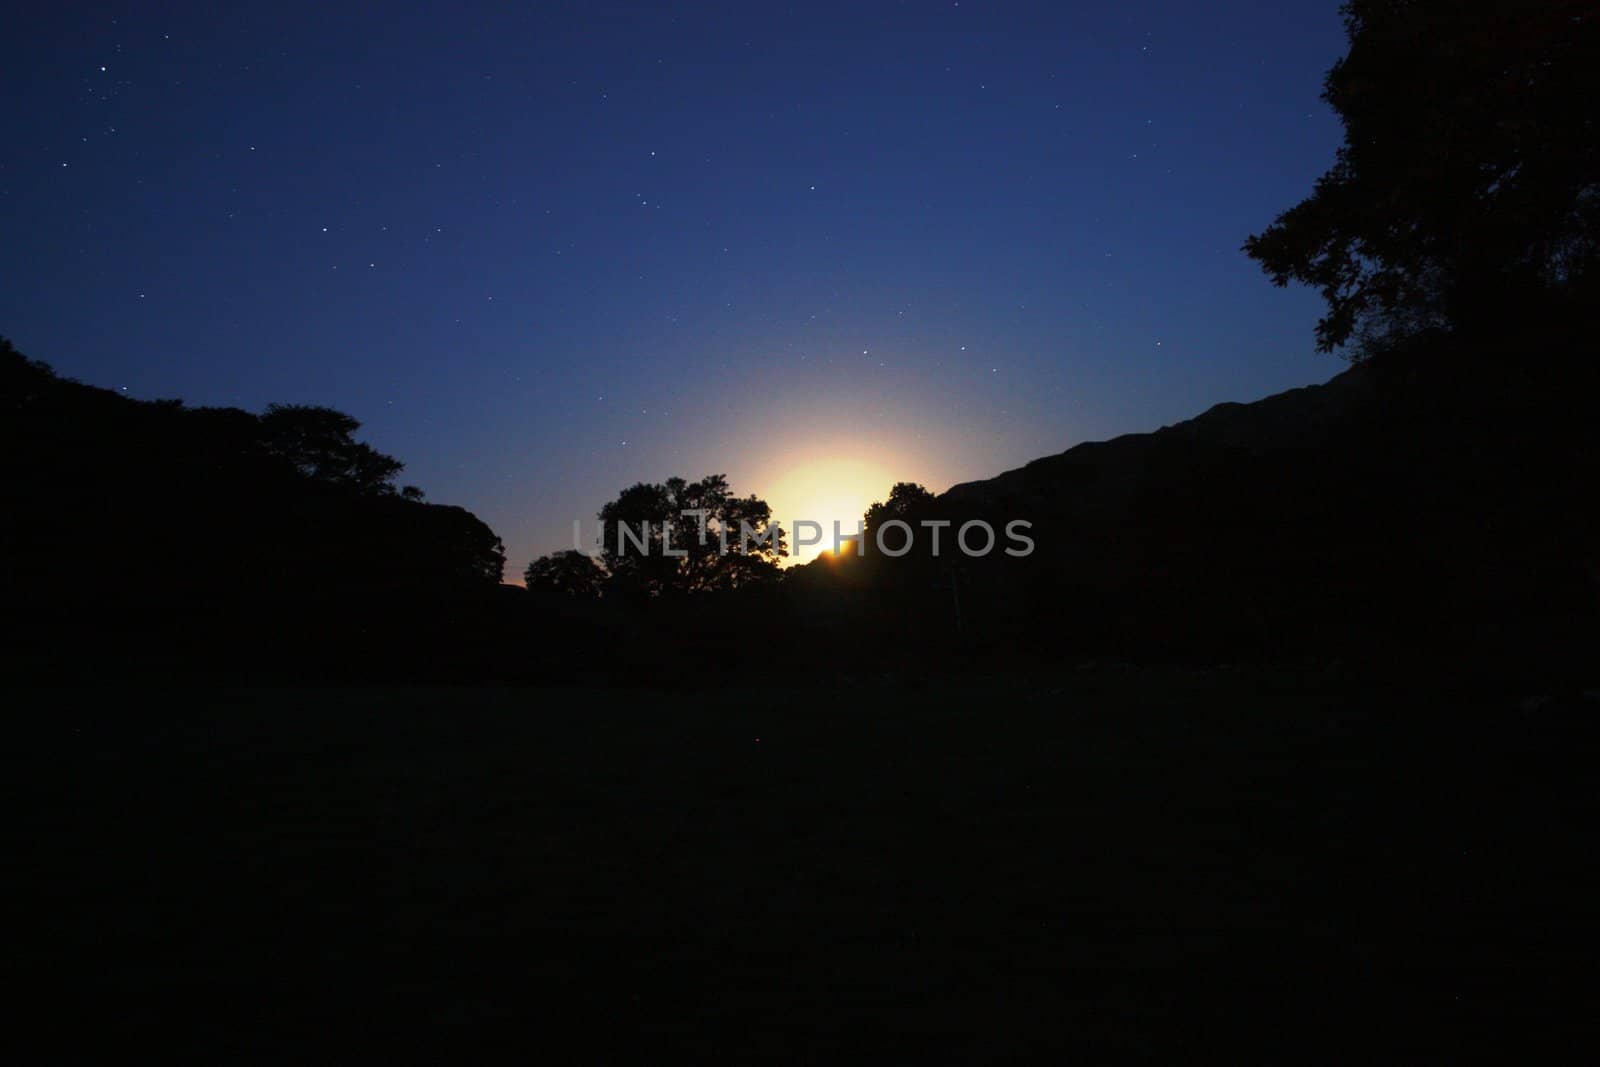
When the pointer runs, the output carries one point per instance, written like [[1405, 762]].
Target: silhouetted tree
[[457, 546], [908, 502], [570, 573], [320, 443], [231, 528], [1468, 186], [686, 537]]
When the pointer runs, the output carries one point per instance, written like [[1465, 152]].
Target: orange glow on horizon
[[826, 491], [848, 550]]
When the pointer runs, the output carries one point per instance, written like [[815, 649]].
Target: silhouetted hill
[[1441, 498], [141, 534], [1434, 506]]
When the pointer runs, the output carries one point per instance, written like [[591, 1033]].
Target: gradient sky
[[547, 250]]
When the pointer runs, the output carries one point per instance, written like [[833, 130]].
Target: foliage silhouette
[[569, 573], [689, 537], [909, 503], [1467, 191], [276, 539], [320, 443]]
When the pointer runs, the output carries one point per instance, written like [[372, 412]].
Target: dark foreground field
[[1124, 863]]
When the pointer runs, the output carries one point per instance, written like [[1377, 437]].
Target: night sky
[[544, 251]]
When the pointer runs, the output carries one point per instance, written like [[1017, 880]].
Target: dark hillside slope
[[142, 532], [1432, 501]]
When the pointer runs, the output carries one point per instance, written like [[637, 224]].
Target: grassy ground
[[1113, 862]]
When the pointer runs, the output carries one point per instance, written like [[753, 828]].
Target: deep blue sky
[[546, 250]]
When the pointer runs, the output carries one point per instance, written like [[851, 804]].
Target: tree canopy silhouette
[[319, 442], [569, 573], [1467, 189], [689, 537], [909, 503], [279, 524]]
